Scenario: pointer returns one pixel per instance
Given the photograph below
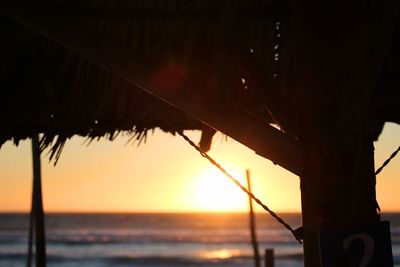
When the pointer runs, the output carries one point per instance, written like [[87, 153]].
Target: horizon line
[[161, 212], [139, 212]]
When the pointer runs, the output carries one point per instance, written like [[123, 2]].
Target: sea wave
[[159, 240], [147, 260], [78, 241]]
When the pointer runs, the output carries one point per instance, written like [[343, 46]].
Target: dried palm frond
[[52, 90]]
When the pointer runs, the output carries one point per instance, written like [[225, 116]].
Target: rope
[[244, 189], [387, 161]]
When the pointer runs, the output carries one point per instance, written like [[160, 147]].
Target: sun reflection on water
[[221, 254]]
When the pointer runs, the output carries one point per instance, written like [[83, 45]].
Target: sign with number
[[366, 246]]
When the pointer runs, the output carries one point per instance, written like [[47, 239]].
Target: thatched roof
[[49, 89], [56, 92]]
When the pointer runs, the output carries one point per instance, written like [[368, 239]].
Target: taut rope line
[[244, 189]]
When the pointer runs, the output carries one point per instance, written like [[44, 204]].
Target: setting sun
[[213, 191]]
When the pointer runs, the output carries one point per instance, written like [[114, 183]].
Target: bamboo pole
[[38, 206], [253, 224]]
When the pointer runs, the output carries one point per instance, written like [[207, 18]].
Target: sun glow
[[213, 191], [221, 254]]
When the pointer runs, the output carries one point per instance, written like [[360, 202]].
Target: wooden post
[[335, 84], [30, 235], [253, 224], [269, 258], [37, 205]]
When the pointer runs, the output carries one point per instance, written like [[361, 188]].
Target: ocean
[[158, 240]]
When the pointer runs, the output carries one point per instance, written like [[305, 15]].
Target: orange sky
[[164, 175]]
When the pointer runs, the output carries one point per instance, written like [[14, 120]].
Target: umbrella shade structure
[[243, 49], [56, 91], [328, 76]]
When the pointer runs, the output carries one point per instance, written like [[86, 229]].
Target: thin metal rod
[[38, 205], [253, 224]]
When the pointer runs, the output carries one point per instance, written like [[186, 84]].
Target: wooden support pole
[[269, 258], [30, 234], [38, 205], [253, 224], [335, 97]]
